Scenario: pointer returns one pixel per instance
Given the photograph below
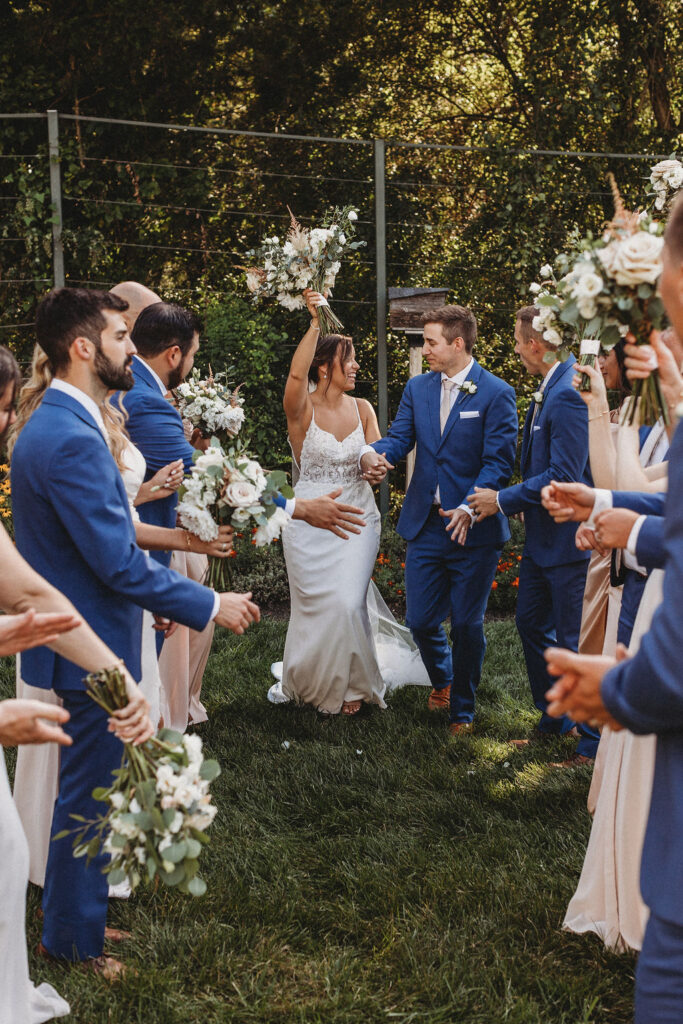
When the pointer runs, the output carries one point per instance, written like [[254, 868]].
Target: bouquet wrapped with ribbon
[[307, 258], [231, 487], [159, 804]]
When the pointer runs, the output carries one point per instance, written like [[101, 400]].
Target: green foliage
[[371, 870]]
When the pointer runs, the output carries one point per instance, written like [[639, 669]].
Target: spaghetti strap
[[358, 412]]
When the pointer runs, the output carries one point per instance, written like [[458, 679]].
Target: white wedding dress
[[37, 772], [21, 1002], [343, 643]]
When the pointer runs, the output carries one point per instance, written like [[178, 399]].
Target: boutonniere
[[537, 397], [469, 387]]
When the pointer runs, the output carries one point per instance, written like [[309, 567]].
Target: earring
[[324, 375]]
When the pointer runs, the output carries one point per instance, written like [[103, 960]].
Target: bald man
[[138, 297]]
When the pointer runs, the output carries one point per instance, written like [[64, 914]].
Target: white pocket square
[[537, 428], [469, 415]]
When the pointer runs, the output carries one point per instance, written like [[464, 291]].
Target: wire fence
[[91, 201]]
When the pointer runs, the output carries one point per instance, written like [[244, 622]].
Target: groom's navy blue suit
[[73, 525], [476, 448], [552, 575], [645, 693]]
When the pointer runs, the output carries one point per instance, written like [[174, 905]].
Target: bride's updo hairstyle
[[329, 348]]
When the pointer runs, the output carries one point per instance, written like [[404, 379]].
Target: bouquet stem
[[589, 351], [218, 575], [585, 382], [646, 403], [329, 321]]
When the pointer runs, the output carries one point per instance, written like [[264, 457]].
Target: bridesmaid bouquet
[[230, 487], [611, 290], [308, 258], [548, 295], [159, 806], [666, 179], [210, 405]]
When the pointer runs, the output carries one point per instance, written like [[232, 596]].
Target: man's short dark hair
[[456, 322], [162, 325], [69, 313], [673, 236], [525, 316]]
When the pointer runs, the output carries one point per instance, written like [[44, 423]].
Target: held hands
[[165, 626], [24, 721], [374, 467], [577, 690], [19, 632], [568, 502], [460, 522], [328, 514], [132, 724], [587, 541], [613, 527], [237, 612], [484, 503]]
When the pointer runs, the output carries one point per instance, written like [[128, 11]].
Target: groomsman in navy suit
[[645, 694], [73, 526], [552, 575], [463, 421]]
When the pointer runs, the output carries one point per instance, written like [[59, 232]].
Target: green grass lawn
[[373, 870]]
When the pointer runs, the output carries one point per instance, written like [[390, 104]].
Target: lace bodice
[[325, 459]]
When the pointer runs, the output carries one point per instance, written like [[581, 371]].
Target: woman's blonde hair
[[31, 395]]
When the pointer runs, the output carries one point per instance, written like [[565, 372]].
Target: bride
[[343, 646]]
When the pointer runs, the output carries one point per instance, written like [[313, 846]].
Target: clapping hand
[[460, 522], [33, 629], [577, 690], [568, 502], [484, 502], [374, 467], [587, 541], [26, 721], [237, 612], [613, 527]]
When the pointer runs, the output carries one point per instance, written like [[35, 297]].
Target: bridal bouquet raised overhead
[[231, 487], [211, 405], [159, 805], [610, 286], [306, 258], [666, 179]]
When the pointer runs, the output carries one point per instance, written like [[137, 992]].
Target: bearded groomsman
[[552, 575], [463, 421]]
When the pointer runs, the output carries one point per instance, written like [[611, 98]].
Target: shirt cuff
[[216, 606], [603, 501], [633, 535], [364, 451], [498, 502], [467, 509], [290, 505]]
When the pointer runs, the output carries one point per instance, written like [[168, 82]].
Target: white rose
[[537, 324], [588, 286], [241, 494], [193, 746], [587, 308], [633, 260], [552, 337], [253, 281], [534, 288], [117, 800], [272, 528], [353, 215], [546, 270], [211, 457]]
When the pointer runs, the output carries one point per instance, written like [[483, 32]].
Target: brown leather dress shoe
[[460, 728], [575, 761], [440, 700]]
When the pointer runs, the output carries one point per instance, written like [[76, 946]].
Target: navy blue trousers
[[443, 578], [659, 974], [631, 594], [76, 893], [549, 607]]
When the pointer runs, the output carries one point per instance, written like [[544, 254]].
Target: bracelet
[[314, 327], [599, 415], [187, 539]]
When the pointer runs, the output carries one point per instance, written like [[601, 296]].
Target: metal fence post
[[56, 198], [381, 278]]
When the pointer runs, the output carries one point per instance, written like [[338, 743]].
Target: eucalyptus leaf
[[196, 886], [176, 852], [116, 876], [210, 770]]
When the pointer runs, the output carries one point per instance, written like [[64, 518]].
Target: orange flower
[[494, 585], [515, 582]]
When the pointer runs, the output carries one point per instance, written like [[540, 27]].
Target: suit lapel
[[526, 436], [434, 405], [558, 374], [54, 397], [461, 398]]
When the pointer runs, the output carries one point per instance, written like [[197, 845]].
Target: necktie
[[447, 387]]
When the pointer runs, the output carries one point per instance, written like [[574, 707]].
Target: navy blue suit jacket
[[650, 550], [73, 525], [156, 428], [555, 449], [477, 448], [645, 693]]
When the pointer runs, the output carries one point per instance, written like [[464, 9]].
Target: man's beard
[[114, 378], [176, 377]]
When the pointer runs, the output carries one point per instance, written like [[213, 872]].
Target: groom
[[463, 420]]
